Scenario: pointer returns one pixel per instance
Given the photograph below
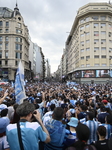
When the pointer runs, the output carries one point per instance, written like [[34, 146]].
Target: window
[[95, 17], [96, 56], [87, 41], [18, 39], [109, 18], [0, 62], [0, 46], [6, 45], [6, 62], [82, 65], [87, 25], [7, 24], [103, 56], [87, 33], [82, 50], [96, 41], [87, 19], [82, 58], [6, 54], [18, 31], [103, 40], [0, 54], [18, 55], [110, 41], [103, 18], [81, 28], [96, 33], [87, 49], [96, 25], [82, 42], [96, 48], [82, 21], [87, 57], [82, 35], [103, 32], [0, 38], [1, 23], [103, 64], [103, 25], [16, 63], [19, 25], [18, 47], [6, 38], [96, 64], [0, 30], [103, 48], [110, 49], [87, 65], [6, 30]]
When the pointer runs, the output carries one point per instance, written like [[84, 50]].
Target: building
[[14, 43], [40, 64], [89, 44], [47, 70]]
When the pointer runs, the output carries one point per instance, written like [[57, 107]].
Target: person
[[83, 133], [102, 143], [31, 132], [4, 121], [56, 130], [92, 125], [71, 132]]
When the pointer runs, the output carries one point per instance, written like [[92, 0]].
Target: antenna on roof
[[16, 4]]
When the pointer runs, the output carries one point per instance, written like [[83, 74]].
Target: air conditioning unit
[[94, 26], [109, 35], [94, 42], [82, 44], [94, 50], [80, 30], [94, 34], [101, 27], [101, 42]]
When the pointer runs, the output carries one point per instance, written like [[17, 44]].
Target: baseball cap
[[73, 122], [104, 101], [2, 106]]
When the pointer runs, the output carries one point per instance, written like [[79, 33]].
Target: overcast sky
[[48, 22]]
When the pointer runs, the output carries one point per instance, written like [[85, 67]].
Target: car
[[3, 82]]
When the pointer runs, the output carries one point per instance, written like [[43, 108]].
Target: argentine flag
[[19, 84]]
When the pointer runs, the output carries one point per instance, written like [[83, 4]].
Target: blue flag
[[19, 84]]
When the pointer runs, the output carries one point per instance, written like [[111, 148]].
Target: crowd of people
[[57, 116]]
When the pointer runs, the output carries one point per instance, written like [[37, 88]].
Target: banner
[[19, 84]]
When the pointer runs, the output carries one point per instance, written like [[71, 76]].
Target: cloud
[[48, 21]]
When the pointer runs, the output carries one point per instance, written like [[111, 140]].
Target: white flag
[[19, 84]]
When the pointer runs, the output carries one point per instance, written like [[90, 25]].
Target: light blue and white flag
[[19, 84]]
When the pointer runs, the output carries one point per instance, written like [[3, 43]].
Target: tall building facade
[[89, 44], [14, 43]]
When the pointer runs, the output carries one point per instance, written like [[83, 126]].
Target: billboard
[[103, 73], [88, 74]]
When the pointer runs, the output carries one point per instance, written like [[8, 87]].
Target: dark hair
[[82, 132], [52, 107], [102, 131], [25, 109], [4, 112], [90, 115], [58, 113], [109, 119]]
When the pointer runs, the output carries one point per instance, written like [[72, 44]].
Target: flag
[[19, 84]]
